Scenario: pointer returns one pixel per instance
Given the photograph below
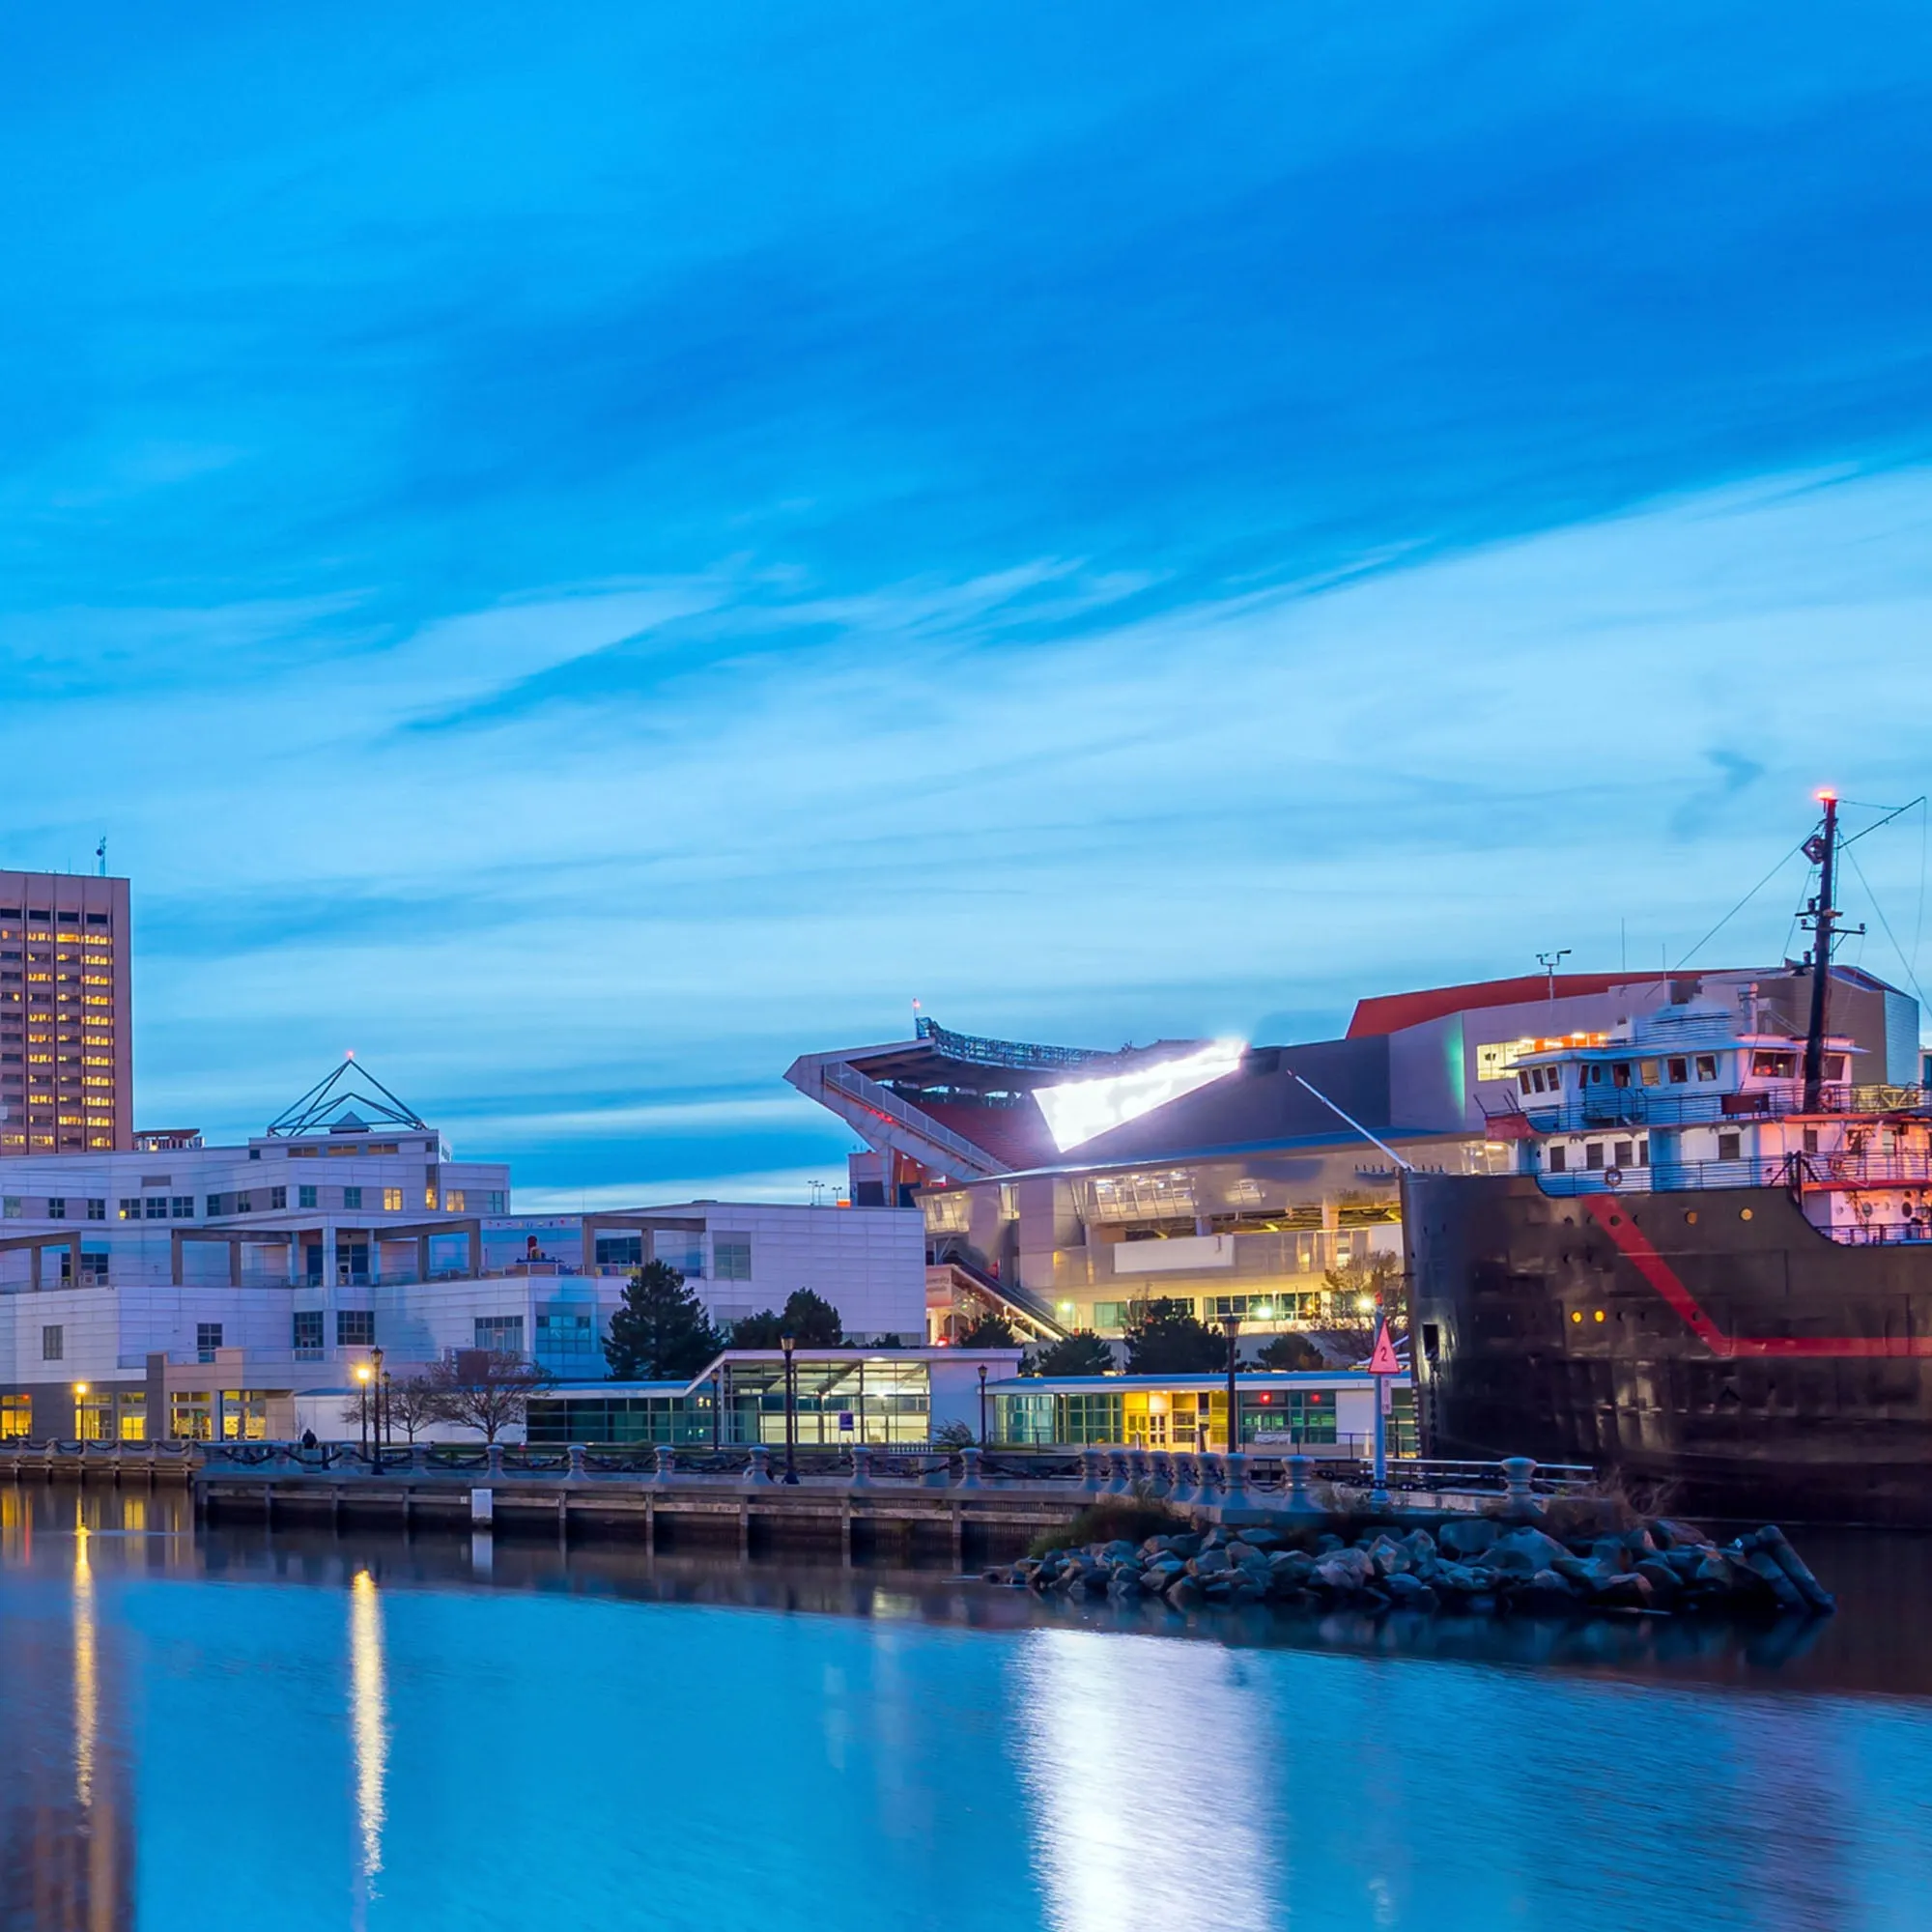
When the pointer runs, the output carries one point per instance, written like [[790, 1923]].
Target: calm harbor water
[[299, 1731]]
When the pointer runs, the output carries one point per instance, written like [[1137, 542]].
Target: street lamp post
[[379, 1381], [80, 1397], [362, 1384], [982, 1404], [789, 1342], [1231, 1326]]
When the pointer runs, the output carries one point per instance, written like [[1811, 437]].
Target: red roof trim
[[1390, 1013]]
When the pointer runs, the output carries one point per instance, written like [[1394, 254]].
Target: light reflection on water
[[314, 1733]]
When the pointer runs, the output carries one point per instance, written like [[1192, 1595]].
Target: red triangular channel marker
[[1383, 1362]]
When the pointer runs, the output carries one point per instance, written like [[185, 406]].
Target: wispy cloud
[[583, 600]]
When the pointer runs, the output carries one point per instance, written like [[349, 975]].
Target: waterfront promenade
[[958, 1499]]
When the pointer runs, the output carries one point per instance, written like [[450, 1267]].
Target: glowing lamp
[[1827, 796], [362, 1372], [80, 1388], [1156, 1404]]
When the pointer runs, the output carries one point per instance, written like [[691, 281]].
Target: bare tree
[[484, 1389], [413, 1403]]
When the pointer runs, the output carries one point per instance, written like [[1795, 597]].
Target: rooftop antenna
[[1549, 961], [100, 852]]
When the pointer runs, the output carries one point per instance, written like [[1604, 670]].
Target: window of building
[[215, 1203], [309, 1334], [1707, 1066], [566, 1334], [17, 1417], [134, 1416], [355, 1328], [352, 1197], [53, 1343], [97, 1211], [1643, 1154], [620, 1250], [1559, 1157], [430, 1197], [130, 1211], [192, 1415], [244, 1204], [11, 1206], [1111, 1316], [731, 1257], [455, 1202], [56, 1207], [502, 1332], [206, 1339], [393, 1200], [495, 1202], [1623, 1155], [181, 1206], [155, 1207], [279, 1197], [1729, 1146], [305, 1197]]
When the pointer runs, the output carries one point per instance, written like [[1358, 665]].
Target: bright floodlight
[[1080, 1109]]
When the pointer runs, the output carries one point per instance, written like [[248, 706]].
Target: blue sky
[[584, 554]]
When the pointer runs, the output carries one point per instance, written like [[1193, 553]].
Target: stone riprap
[[1471, 1566]]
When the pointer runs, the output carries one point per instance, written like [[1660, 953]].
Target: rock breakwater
[[1470, 1566]]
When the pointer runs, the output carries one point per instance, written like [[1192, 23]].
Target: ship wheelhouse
[[1693, 1097]]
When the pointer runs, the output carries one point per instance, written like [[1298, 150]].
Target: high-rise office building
[[66, 1014]]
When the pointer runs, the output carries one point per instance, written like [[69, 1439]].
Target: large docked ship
[[1709, 1269]]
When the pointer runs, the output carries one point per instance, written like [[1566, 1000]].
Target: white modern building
[[190, 1291]]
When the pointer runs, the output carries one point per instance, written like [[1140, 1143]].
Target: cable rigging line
[[1886, 924], [1739, 907]]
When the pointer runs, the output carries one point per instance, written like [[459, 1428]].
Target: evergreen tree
[[1081, 1353], [1165, 1339], [1292, 1354], [814, 1320], [809, 1319], [661, 1333], [988, 1330]]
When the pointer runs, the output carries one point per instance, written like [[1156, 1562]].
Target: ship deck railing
[[1644, 1107]]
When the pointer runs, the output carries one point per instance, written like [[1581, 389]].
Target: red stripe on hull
[[1635, 1248]]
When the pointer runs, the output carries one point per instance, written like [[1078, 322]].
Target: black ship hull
[[1712, 1343]]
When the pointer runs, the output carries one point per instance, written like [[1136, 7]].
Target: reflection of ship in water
[[66, 1840]]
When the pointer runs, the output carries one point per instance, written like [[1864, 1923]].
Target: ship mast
[[1822, 849]]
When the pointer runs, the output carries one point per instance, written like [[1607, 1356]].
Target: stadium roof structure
[[959, 1104]]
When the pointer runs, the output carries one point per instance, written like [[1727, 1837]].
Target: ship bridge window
[[1648, 1068], [1774, 1065], [1834, 1069], [1677, 1071], [1620, 1073], [1728, 1147], [1559, 1157], [1523, 1079], [1593, 1154], [1707, 1066]]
